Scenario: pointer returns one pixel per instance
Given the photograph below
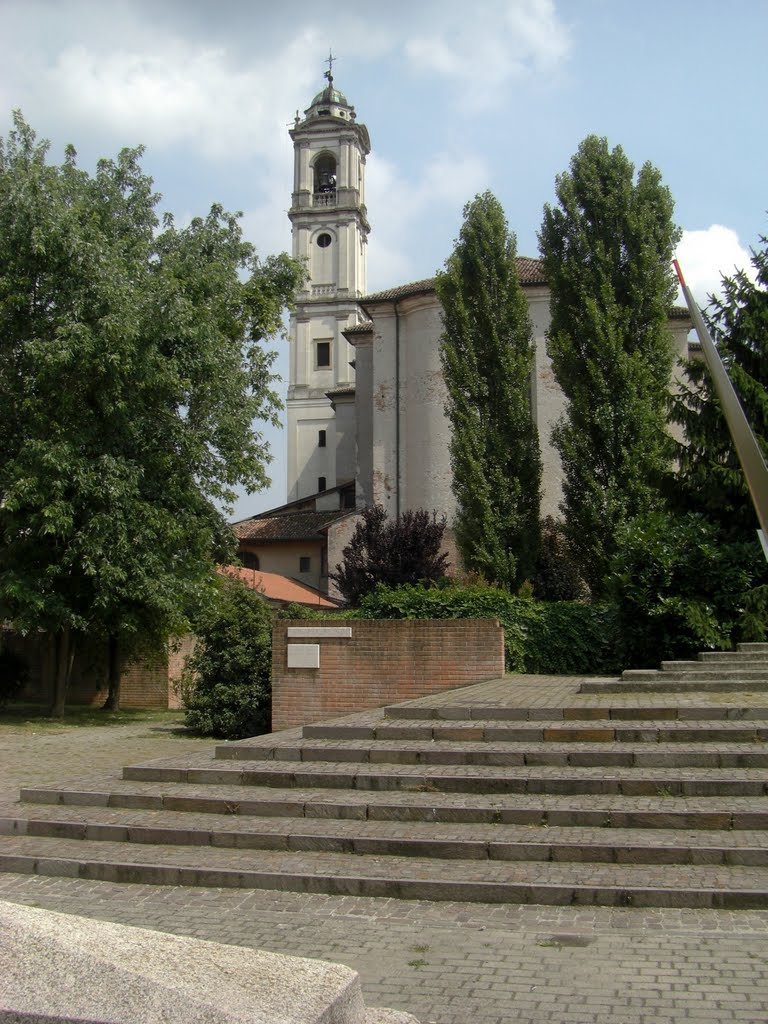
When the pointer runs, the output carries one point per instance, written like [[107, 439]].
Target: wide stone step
[[735, 657], [651, 751], [717, 662], [726, 706], [455, 841], [601, 811], [553, 883], [700, 671], [466, 778], [658, 683], [732, 720]]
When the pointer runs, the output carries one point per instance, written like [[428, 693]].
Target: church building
[[366, 403]]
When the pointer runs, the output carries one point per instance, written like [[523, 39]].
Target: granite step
[[658, 683], [735, 657], [736, 814], [715, 661], [647, 749], [463, 778], [434, 727], [488, 881], [700, 671], [740, 702], [453, 841]]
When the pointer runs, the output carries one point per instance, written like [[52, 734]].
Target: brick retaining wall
[[383, 662]]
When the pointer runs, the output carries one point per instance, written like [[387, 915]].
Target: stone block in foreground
[[57, 967]]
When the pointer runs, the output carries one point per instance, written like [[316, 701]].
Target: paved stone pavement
[[448, 963]]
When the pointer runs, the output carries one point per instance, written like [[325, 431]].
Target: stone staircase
[[526, 789]]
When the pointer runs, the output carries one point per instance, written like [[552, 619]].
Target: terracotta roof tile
[[531, 272], [291, 526], [277, 588]]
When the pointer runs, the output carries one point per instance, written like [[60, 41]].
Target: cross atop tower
[[329, 73]]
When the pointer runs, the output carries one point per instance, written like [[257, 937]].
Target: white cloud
[[705, 256], [183, 93], [496, 44], [405, 212]]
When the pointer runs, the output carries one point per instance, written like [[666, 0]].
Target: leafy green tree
[[392, 552], [710, 481], [487, 355], [710, 477], [132, 369], [607, 250], [227, 688]]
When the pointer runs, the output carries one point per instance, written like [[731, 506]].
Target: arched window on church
[[325, 180]]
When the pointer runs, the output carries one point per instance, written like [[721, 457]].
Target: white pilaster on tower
[[330, 233]]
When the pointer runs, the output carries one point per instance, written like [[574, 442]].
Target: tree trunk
[[63, 658], [112, 703]]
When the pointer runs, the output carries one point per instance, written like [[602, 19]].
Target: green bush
[[562, 638], [679, 588], [227, 690]]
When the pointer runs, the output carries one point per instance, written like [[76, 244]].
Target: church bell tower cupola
[[330, 234]]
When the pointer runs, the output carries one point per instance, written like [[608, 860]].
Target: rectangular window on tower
[[322, 355], [321, 483], [321, 439]]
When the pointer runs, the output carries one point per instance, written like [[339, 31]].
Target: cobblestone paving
[[448, 963]]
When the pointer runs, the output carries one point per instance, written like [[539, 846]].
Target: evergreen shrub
[[559, 638], [227, 688], [679, 589]]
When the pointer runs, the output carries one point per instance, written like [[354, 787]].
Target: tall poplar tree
[[487, 355], [607, 250]]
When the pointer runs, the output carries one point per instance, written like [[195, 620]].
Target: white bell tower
[[330, 233]]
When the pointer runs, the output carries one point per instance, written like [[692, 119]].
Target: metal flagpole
[[744, 441]]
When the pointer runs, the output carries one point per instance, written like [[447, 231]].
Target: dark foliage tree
[[132, 369], [556, 577], [710, 482], [710, 478], [227, 689], [393, 552], [487, 354], [607, 250]]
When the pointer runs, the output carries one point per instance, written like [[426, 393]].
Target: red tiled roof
[[277, 588], [290, 526]]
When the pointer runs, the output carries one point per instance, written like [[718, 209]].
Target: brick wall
[[384, 661], [149, 682]]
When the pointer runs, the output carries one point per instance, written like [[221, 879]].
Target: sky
[[458, 98]]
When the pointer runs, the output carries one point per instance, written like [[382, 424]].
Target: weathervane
[[329, 73]]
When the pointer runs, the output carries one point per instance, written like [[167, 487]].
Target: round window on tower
[[324, 240]]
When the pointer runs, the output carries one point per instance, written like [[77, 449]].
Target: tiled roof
[[278, 588], [342, 389], [290, 526], [364, 328], [530, 271], [679, 313], [402, 292]]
